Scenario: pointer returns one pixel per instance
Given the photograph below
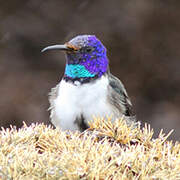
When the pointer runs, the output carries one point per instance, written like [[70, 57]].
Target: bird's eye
[[89, 49]]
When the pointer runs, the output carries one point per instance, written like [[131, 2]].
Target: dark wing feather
[[119, 97]]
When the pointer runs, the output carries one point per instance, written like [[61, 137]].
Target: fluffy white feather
[[74, 100]]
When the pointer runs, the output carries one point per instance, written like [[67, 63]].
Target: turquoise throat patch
[[77, 71]]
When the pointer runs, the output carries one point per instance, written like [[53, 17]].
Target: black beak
[[56, 47]]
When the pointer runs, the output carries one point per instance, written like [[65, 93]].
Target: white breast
[[74, 100]]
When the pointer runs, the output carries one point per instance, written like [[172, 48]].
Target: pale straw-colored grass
[[105, 151]]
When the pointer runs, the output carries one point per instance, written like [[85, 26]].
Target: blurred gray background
[[143, 42]]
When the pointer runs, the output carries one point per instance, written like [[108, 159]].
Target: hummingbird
[[87, 88]]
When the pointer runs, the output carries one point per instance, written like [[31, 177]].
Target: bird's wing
[[52, 96], [119, 97]]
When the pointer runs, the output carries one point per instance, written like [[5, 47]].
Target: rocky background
[[143, 42]]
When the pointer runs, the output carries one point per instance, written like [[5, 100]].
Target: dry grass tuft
[[105, 151]]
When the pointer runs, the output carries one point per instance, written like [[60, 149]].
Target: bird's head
[[86, 57]]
